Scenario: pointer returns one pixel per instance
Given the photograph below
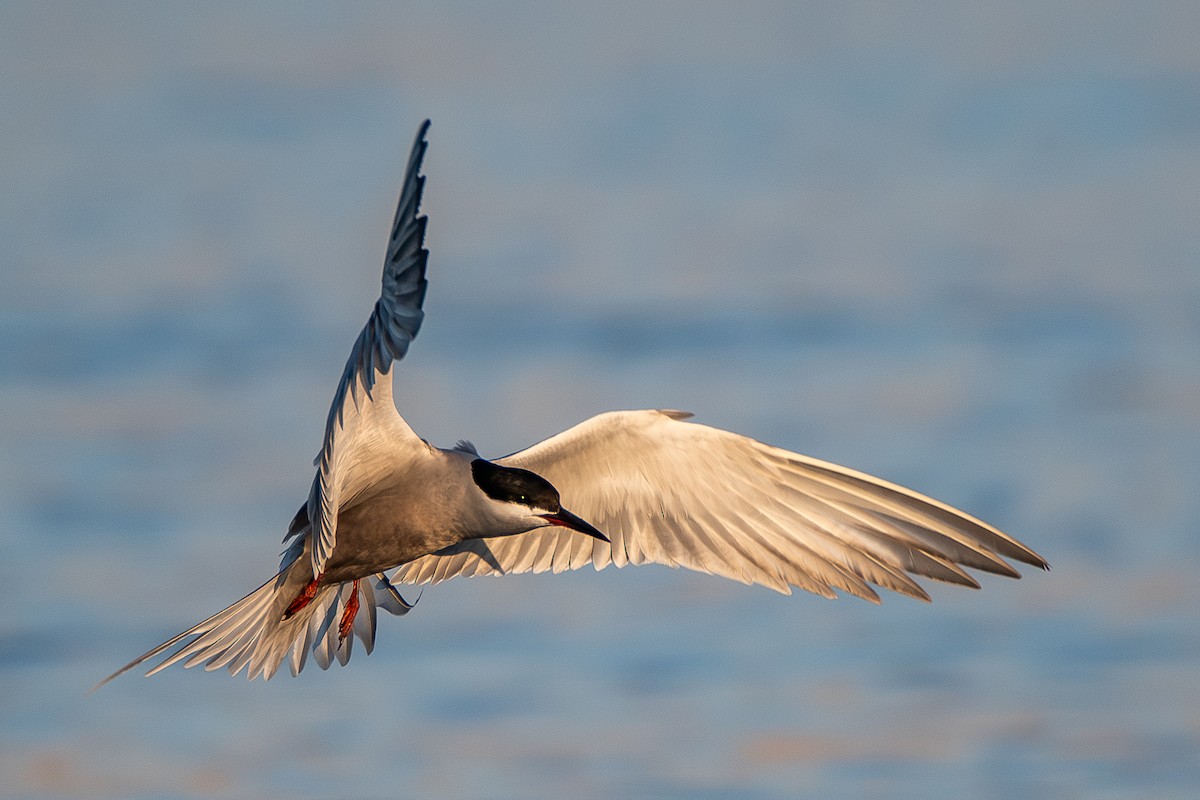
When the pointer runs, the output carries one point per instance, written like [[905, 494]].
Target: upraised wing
[[688, 495], [363, 401]]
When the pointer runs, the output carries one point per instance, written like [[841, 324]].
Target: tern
[[387, 508]]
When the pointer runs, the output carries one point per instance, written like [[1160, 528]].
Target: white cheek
[[520, 520]]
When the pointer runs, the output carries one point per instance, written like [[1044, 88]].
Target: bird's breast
[[393, 526]]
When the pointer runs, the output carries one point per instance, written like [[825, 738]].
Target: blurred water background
[[953, 244]]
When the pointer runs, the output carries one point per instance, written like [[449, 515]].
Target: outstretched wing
[[687, 495], [363, 401]]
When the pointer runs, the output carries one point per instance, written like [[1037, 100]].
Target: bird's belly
[[379, 535]]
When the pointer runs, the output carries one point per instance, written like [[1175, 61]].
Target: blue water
[[957, 249]]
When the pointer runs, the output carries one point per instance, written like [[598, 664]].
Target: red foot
[[347, 623], [306, 596]]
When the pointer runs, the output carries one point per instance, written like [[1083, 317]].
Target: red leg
[[306, 596], [347, 623]]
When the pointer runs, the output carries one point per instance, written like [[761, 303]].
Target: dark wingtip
[[118, 673], [1034, 560]]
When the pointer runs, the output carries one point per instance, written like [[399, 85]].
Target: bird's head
[[526, 498]]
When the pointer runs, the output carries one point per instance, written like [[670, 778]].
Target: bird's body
[[386, 525], [648, 487]]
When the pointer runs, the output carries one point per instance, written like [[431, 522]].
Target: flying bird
[[386, 508]]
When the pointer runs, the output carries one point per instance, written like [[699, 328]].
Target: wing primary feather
[[773, 537], [991, 538], [891, 505], [883, 536]]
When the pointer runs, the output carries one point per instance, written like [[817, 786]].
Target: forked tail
[[253, 633]]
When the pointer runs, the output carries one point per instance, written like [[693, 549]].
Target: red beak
[[568, 520]]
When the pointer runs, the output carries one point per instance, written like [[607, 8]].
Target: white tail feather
[[252, 633]]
